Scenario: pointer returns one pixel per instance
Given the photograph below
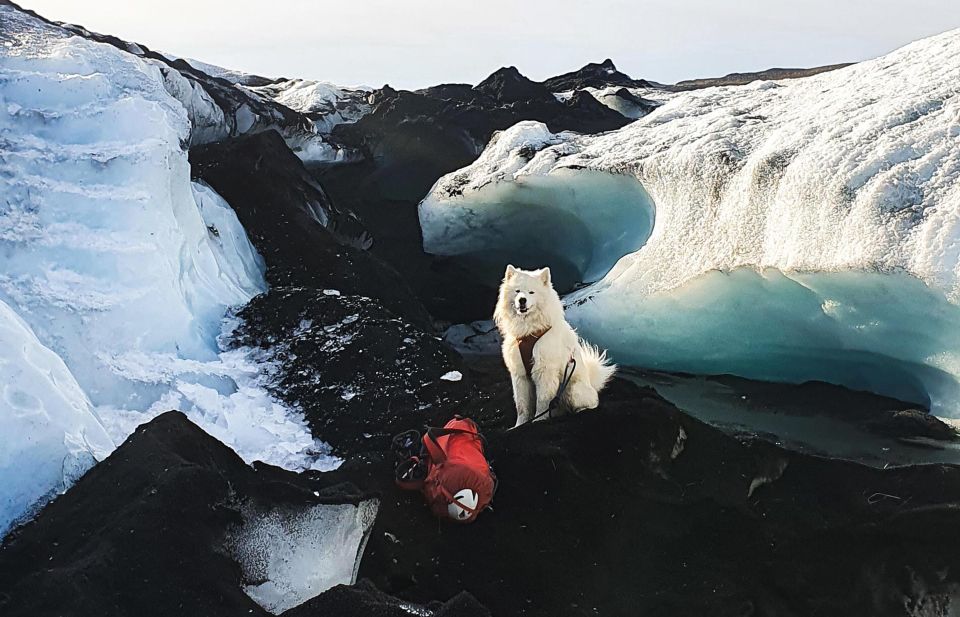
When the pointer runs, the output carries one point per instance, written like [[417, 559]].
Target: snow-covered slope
[[49, 433], [217, 101], [117, 262], [805, 229], [326, 104]]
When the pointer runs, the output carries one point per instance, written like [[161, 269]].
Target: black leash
[[555, 402]]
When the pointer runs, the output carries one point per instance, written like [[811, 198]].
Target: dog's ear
[[545, 276], [511, 272]]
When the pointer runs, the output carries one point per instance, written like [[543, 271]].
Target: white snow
[[231, 75], [327, 103], [452, 376], [50, 433], [763, 192], [116, 262], [291, 556]]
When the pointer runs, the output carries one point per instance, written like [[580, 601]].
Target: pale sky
[[415, 43]]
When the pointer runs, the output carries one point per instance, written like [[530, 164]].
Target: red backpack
[[449, 466]]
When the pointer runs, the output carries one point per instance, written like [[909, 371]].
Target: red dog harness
[[526, 345]]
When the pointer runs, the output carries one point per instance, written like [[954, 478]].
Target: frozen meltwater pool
[[814, 418], [578, 222]]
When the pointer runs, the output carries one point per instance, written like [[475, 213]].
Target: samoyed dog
[[542, 351]]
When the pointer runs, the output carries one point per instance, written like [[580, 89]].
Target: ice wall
[[761, 193], [580, 223], [116, 262], [49, 433]]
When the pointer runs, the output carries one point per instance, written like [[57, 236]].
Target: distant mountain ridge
[[739, 79]]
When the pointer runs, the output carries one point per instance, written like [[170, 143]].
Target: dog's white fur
[[527, 305]]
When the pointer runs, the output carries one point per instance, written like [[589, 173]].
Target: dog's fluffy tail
[[598, 366]]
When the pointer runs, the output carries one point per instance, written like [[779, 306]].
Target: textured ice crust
[[580, 223], [120, 268], [855, 171], [290, 556], [327, 103], [49, 433], [885, 333]]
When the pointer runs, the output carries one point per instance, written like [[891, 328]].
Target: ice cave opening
[[579, 222], [887, 333]]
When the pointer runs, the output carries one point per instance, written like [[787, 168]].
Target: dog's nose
[[522, 301]]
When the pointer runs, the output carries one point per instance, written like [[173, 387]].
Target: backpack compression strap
[[437, 455]]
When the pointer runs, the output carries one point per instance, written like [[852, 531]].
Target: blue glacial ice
[[551, 218], [116, 271], [803, 229]]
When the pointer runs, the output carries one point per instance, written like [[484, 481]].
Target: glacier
[[325, 103], [535, 218], [118, 266], [50, 432], [805, 229]]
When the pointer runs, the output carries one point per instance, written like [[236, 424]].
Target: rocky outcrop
[[507, 85], [359, 373], [739, 79], [636, 508], [633, 507], [594, 75], [305, 239], [410, 139], [146, 532], [366, 600]]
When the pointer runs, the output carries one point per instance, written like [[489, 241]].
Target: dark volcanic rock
[[739, 79], [358, 372], [364, 599], [303, 237], [642, 106], [410, 140], [593, 75], [912, 424], [144, 532], [507, 85], [636, 508], [451, 92]]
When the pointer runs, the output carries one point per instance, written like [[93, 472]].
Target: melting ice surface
[[291, 556], [805, 229], [115, 271], [49, 433], [885, 333], [580, 223]]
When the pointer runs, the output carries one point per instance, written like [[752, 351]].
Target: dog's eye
[[530, 292]]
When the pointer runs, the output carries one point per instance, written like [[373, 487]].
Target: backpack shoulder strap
[[437, 455]]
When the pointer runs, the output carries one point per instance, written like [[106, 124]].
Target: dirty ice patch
[[228, 397], [290, 556]]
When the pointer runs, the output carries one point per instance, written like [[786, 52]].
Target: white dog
[[540, 348]]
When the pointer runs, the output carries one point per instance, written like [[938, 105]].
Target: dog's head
[[526, 291]]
